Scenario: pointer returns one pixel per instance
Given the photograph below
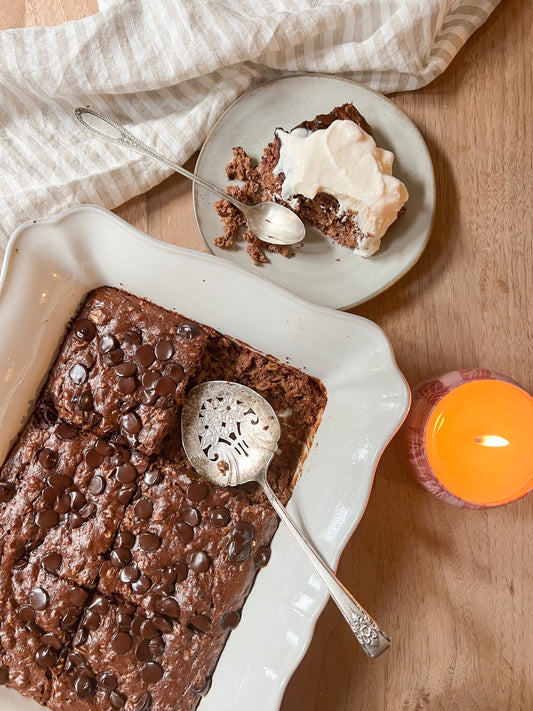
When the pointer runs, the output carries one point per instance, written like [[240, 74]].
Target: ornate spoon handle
[[368, 634]]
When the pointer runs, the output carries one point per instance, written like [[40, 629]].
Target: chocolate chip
[[131, 423], [143, 509], [80, 637], [125, 494], [148, 630], [231, 620], [129, 573], [75, 520], [84, 329], [133, 337], [88, 510], [104, 448], [144, 356], [182, 571], [66, 431], [220, 517], [169, 607], [117, 700], [191, 516], [150, 378], [200, 622], [127, 385], [144, 703], [123, 621], [141, 585], [152, 477], [107, 680], [125, 539], [162, 624], [47, 458], [120, 456], [46, 519], [86, 401], [107, 343], [165, 386], [120, 557], [4, 675], [51, 561], [51, 641], [262, 556], [7, 491], [26, 613], [99, 605], [97, 485], [126, 473], [46, 657], [69, 619], [239, 552], [77, 596], [78, 373], [112, 358], [84, 685], [59, 482], [142, 651], [164, 350], [176, 372], [152, 672], [126, 369], [121, 642], [184, 532], [243, 532], [77, 500], [199, 562], [147, 397], [62, 504], [168, 575], [149, 541], [197, 491], [188, 330], [91, 620]]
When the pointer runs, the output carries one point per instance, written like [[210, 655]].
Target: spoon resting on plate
[[269, 221], [229, 434]]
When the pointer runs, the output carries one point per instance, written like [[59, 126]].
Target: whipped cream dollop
[[344, 161]]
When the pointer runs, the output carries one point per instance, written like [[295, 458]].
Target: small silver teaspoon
[[229, 434], [269, 221]]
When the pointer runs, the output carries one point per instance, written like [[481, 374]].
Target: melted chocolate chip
[[182, 571], [112, 358], [147, 397], [125, 494], [199, 562], [164, 350], [66, 431], [191, 516], [51, 641], [200, 622], [188, 330], [239, 552], [150, 378], [176, 372], [143, 509], [51, 562], [46, 657], [93, 458], [108, 343], [104, 448], [243, 532], [184, 532], [120, 557], [125, 539], [220, 517], [126, 369], [47, 458], [99, 605], [84, 329], [77, 596], [141, 585], [7, 491], [144, 356], [142, 651], [127, 386], [165, 386], [121, 642], [78, 373], [231, 620], [144, 703], [77, 500], [126, 473], [197, 491], [75, 520], [133, 337], [46, 519], [168, 576], [149, 541], [26, 613], [129, 573], [107, 680], [80, 637], [69, 620], [117, 700], [262, 556], [123, 621], [97, 485], [169, 607], [148, 630], [91, 620], [152, 672], [86, 401], [162, 624], [84, 685], [88, 510], [153, 477], [59, 482], [131, 423]]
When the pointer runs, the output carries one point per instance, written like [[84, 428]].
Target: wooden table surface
[[453, 588]]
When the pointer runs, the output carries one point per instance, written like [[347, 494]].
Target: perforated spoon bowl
[[230, 434], [269, 221]]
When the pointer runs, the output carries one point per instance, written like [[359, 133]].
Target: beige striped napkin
[[168, 68]]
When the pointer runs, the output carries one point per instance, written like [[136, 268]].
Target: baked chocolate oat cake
[[122, 572], [330, 172]]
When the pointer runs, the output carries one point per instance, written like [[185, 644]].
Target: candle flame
[[492, 441]]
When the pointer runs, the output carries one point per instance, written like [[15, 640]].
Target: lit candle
[[470, 438]]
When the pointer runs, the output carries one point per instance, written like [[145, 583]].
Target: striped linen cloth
[[168, 68]]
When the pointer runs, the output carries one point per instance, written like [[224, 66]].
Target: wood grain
[[453, 588]]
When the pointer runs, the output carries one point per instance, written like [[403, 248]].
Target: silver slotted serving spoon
[[269, 221], [230, 434]]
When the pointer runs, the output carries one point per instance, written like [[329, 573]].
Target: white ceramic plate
[[322, 271], [50, 265]]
